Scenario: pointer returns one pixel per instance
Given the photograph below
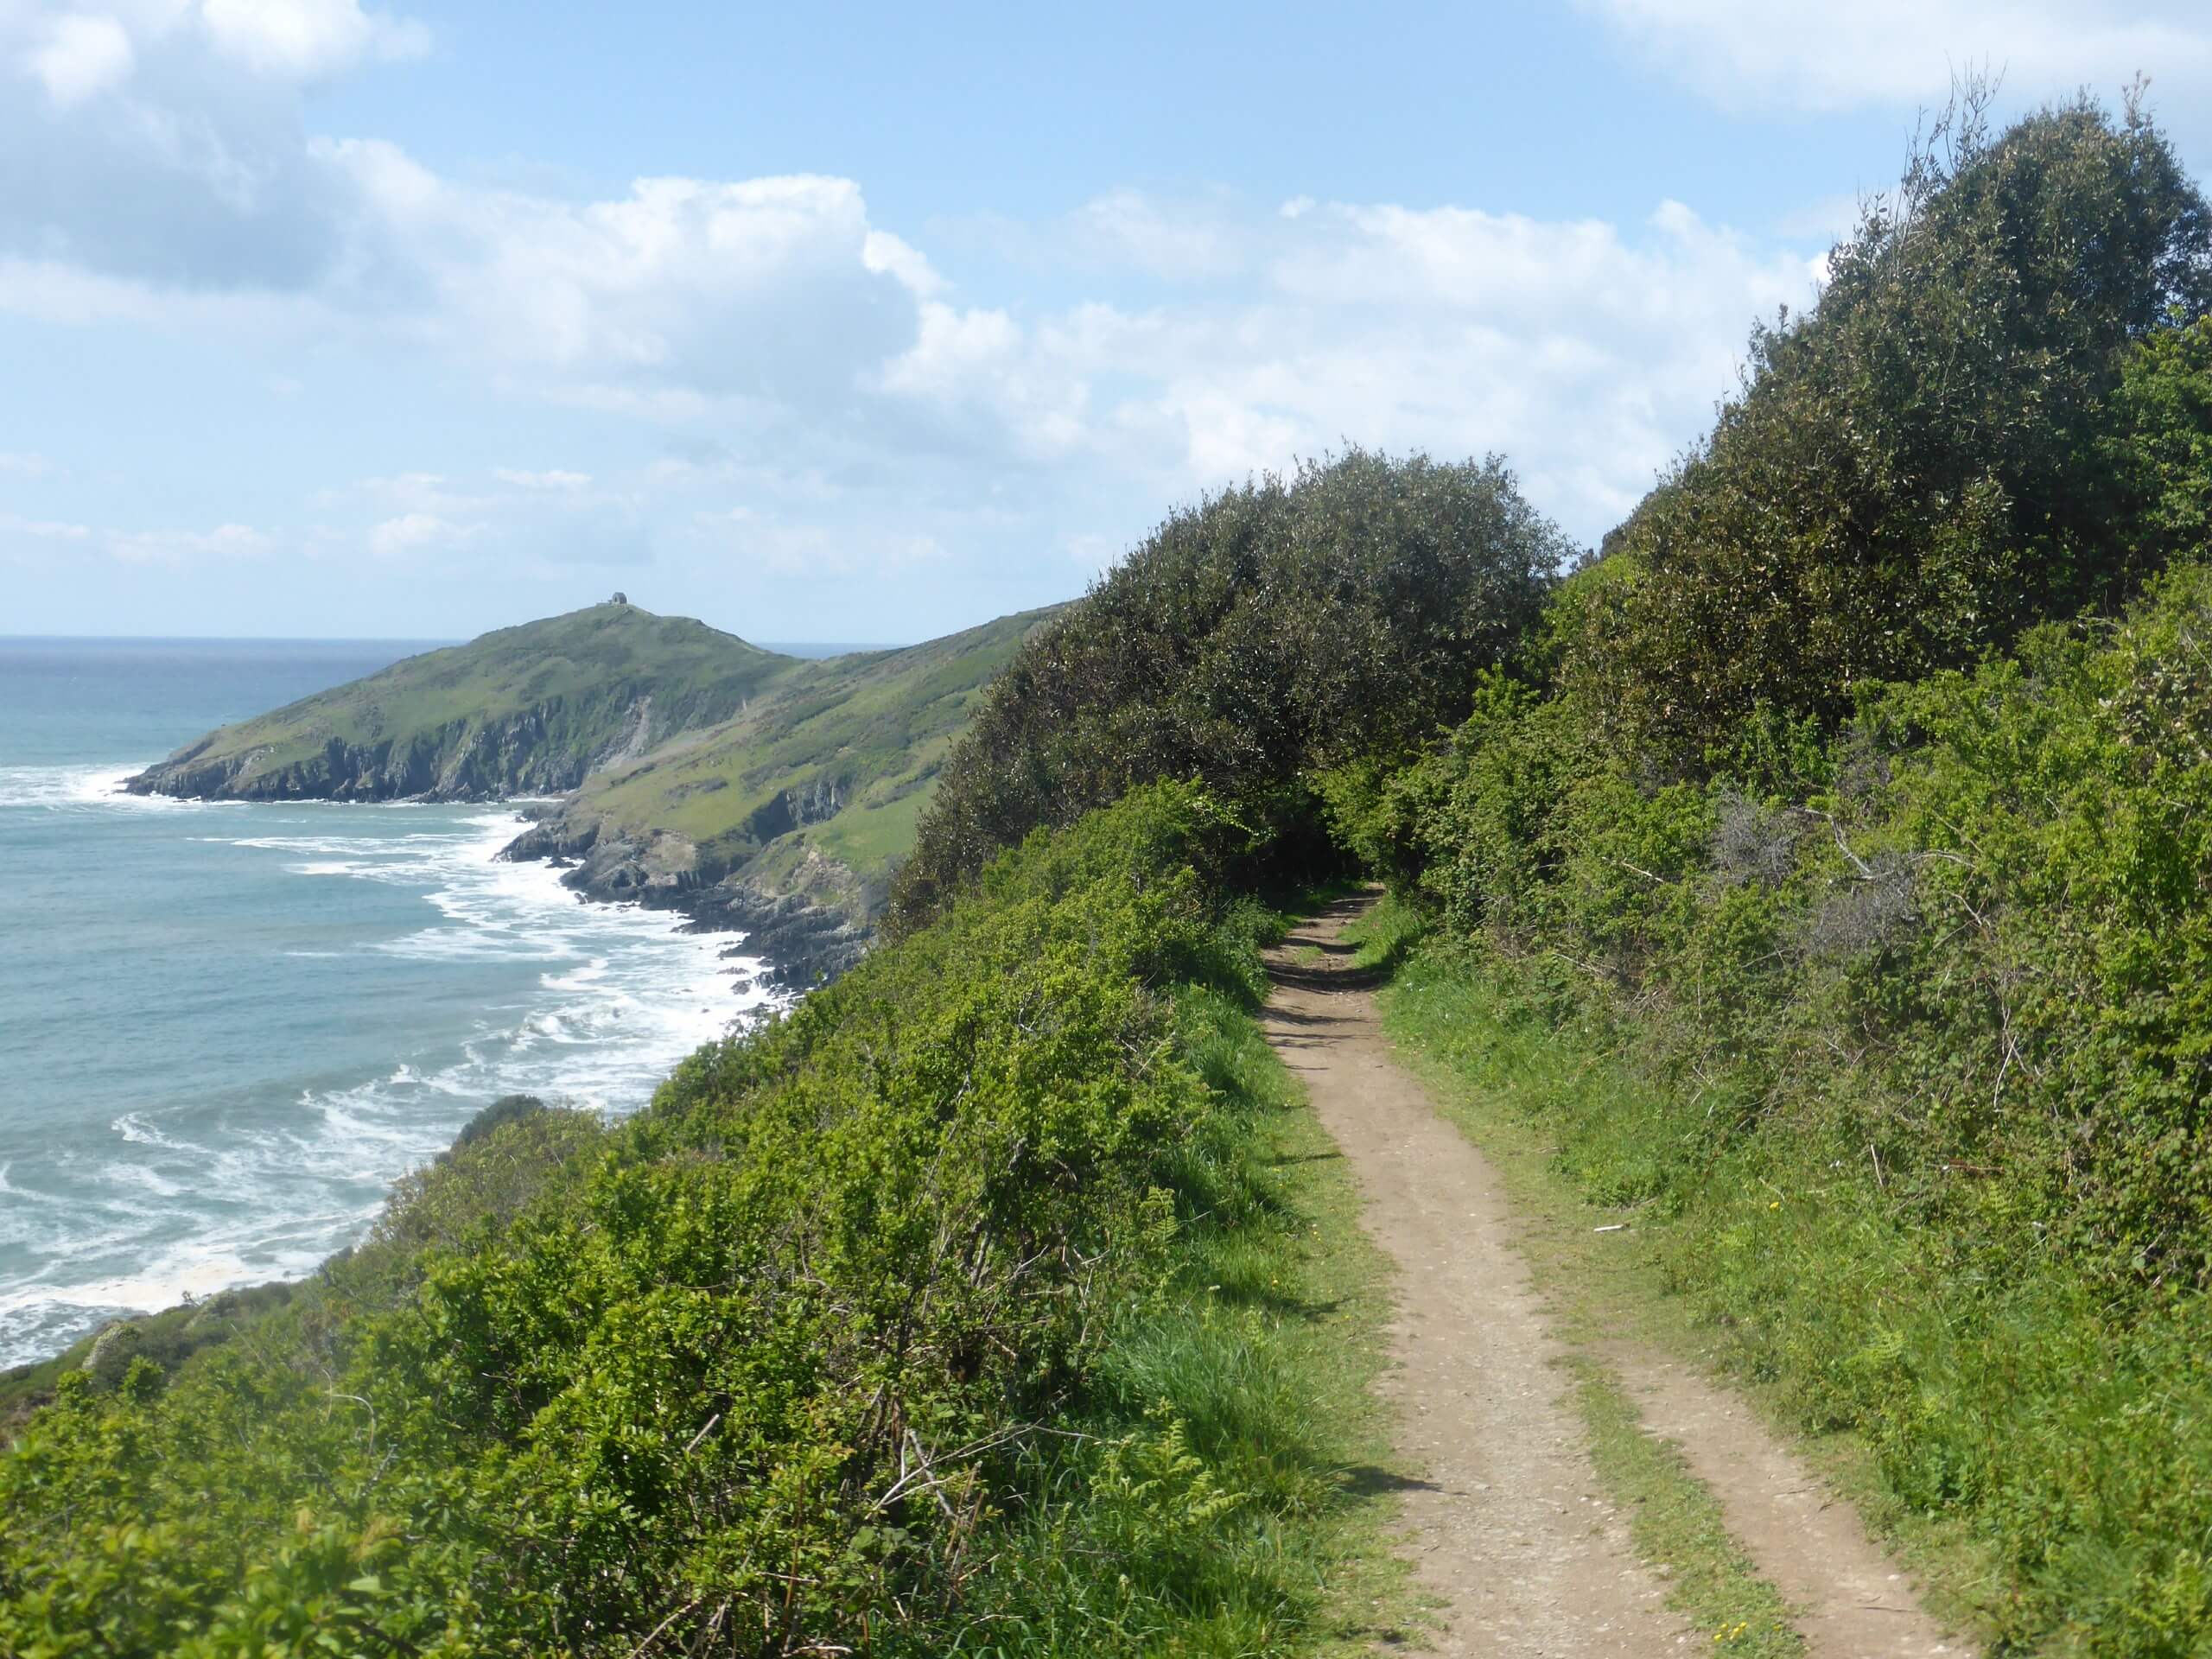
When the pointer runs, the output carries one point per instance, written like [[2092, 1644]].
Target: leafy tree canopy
[[1273, 627], [1920, 468]]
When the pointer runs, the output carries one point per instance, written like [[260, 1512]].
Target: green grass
[[868, 837], [872, 729], [1678, 1526], [1385, 934], [1263, 1351], [1582, 1139]]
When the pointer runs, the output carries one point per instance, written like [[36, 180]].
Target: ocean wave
[[210, 1195], [60, 787]]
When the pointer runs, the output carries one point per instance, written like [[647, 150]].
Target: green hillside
[[813, 787], [527, 709], [769, 793]]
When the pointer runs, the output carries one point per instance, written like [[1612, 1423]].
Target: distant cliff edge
[[756, 792]]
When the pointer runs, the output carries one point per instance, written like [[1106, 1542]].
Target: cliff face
[[809, 915], [463, 760], [532, 710]]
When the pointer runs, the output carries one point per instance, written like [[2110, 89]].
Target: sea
[[225, 1029]]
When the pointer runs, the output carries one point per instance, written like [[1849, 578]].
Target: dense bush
[[1914, 1045], [829, 1350], [1274, 627], [1922, 465], [1834, 904]]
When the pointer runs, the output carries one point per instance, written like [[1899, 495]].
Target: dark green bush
[[1274, 628], [1920, 468]]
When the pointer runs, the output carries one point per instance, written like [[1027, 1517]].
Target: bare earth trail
[[1507, 1524]]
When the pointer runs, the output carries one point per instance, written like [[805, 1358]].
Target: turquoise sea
[[225, 1029]]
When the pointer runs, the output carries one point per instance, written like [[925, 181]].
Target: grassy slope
[[594, 662], [871, 730]]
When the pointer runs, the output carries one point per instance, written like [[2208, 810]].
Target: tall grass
[[1217, 1507], [2071, 1440]]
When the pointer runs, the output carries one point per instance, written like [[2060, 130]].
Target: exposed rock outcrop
[[801, 922], [460, 761]]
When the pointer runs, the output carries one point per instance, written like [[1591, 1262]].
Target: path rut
[[1506, 1525]]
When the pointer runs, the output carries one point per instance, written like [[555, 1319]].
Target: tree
[[1917, 469], [1274, 627]]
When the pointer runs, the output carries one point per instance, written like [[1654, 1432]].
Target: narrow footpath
[[1506, 1522]]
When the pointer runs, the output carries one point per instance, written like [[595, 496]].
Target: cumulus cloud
[[772, 288], [1748, 53], [771, 322], [81, 56], [303, 40], [547, 480], [1586, 351], [411, 532]]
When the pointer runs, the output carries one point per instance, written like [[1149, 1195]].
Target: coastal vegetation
[[970, 1307], [1833, 900], [1821, 870]]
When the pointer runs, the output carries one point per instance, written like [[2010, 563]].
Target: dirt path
[[1853, 1603], [1507, 1525]]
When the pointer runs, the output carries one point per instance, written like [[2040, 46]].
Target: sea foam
[[189, 1196]]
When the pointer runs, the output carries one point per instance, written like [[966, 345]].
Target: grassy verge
[[1257, 1523], [1580, 1136], [1678, 1526]]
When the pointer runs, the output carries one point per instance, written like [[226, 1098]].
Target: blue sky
[[864, 322]]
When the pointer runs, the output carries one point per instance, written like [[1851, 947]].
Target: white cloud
[[775, 288], [138, 547], [81, 56], [185, 547], [303, 40], [1750, 54], [43, 529], [888, 255], [548, 481], [23, 465], [402, 493], [1588, 353], [411, 532]]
